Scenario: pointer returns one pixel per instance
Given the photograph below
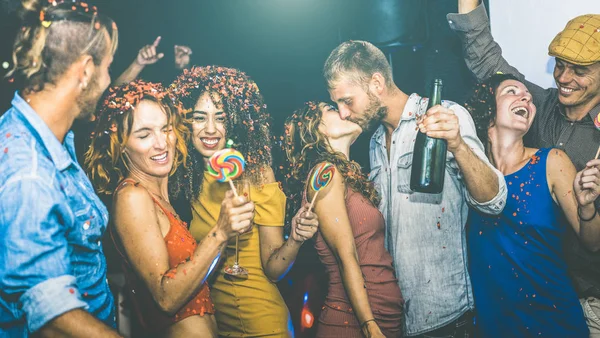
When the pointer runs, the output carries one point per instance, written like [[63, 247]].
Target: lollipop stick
[[313, 201], [233, 187], [597, 153]]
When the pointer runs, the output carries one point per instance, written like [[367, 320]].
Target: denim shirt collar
[[413, 105], [61, 156]]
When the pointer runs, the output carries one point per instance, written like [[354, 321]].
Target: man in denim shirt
[[52, 268], [425, 233]]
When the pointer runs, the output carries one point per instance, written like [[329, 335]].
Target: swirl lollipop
[[320, 178], [226, 165]]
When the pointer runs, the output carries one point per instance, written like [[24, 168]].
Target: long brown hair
[[54, 37], [305, 146], [104, 160]]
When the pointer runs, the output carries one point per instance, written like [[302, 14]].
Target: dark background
[[282, 45]]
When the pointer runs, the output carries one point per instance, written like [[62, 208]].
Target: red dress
[[180, 246], [337, 318]]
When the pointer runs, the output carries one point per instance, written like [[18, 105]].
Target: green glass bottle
[[429, 155]]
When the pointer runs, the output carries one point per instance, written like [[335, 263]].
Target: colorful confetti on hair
[[124, 98], [247, 120]]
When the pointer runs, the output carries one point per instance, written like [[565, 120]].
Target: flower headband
[[124, 98]]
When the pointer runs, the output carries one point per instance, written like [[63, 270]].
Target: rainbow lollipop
[[320, 178], [226, 165]]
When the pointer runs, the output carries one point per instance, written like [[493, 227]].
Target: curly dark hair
[[305, 147], [247, 124], [482, 105], [104, 160]]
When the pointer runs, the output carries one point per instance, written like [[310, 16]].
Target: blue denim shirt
[[425, 233], [51, 224]]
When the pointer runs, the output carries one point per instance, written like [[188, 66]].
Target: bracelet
[[362, 326], [589, 219]]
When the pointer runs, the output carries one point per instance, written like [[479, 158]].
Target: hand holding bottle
[[441, 122]]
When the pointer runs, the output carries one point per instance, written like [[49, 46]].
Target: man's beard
[[88, 100], [372, 115]]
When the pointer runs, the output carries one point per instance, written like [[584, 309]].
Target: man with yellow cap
[[567, 116]]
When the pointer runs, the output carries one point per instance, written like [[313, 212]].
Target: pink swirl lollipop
[[320, 178], [226, 165]]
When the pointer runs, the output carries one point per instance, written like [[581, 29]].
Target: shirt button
[[86, 225], [560, 144], [450, 21]]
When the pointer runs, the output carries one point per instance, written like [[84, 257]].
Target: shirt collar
[[61, 156], [413, 106], [590, 117]]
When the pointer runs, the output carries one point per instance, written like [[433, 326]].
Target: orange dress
[[180, 246]]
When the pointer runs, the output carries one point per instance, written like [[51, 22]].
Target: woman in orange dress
[[138, 143]]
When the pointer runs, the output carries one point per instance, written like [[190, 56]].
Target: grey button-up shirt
[[426, 233], [551, 128]]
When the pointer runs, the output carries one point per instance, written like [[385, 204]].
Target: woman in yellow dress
[[223, 106]]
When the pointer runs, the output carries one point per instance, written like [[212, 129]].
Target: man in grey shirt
[[566, 119], [424, 232]]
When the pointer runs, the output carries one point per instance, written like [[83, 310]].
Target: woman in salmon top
[[225, 104], [363, 296], [138, 142]]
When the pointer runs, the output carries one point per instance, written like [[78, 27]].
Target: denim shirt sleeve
[[34, 265], [469, 135]]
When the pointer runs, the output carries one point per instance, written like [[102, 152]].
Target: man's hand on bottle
[[441, 122]]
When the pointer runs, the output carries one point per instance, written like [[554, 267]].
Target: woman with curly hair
[[138, 143], [363, 295], [518, 271], [225, 107]]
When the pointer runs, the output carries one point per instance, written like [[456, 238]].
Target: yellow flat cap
[[579, 42]]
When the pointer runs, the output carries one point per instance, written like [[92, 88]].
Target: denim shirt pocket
[[87, 224], [403, 175]]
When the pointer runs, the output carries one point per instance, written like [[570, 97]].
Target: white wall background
[[525, 28]]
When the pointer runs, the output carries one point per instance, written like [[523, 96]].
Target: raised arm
[[482, 54], [278, 256], [576, 193], [137, 224], [330, 206], [35, 267], [146, 56]]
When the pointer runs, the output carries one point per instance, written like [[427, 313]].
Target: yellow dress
[[251, 307]]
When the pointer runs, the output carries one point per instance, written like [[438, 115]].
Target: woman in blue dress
[[518, 272]]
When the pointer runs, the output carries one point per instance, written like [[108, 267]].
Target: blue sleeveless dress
[[518, 272]]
